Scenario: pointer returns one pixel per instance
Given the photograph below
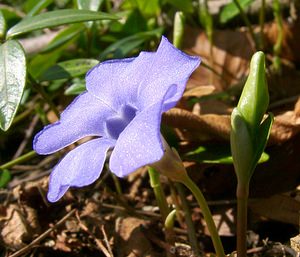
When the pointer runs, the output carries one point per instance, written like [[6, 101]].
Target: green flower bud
[[178, 31], [254, 100]]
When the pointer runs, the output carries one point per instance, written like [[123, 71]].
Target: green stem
[[278, 45], [207, 215], [19, 160], [261, 24], [242, 202], [158, 192], [188, 219], [247, 22], [162, 204]]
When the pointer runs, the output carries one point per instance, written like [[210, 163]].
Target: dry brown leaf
[[280, 207], [203, 128], [232, 51], [132, 241], [20, 226]]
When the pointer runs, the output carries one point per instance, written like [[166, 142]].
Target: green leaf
[[57, 18], [92, 5], [12, 80], [241, 147], [5, 177], [262, 138], [148, 8], [63, 37], [230, 10], [185, 6], [68, 69], [2, 25], [124, 46], [39, 6], [76, 88], [211, 154]]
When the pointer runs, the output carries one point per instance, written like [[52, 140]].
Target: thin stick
[[42, 236]]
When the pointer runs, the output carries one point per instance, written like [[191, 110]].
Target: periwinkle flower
[[122, 109]]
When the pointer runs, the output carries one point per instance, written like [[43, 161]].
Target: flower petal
[[80, 167], [85, 116], [106, 82], [140, 143], [169, 66]]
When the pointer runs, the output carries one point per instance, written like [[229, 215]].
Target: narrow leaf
[[63, 37], [39, 6], [76, 88], [12, 80], [68, 69], [57, 18], [122, 47]]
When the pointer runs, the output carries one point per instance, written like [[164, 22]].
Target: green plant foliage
[[56, 18], [63, 37], [92, 5], [12, 80], [230, 11], [37, 6], [216, 154], [185, 6], [2, 25], [76, 88], [5, 177], [68, 69], [124, 46]]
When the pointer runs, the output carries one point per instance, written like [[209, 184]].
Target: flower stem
[[242, 201], [18, 160], [158, 192], [188, 219], [207, 215]]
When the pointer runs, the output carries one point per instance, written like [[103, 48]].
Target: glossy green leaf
[[39, 6], [92, 5], [185, 6], [68, 69], [2, 25], [5, 177], [63, 37], [230, 10], [124, 46], [12, 80], [56, 18]]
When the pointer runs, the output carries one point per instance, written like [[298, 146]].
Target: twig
[[106, 240], [97, 241], [42, 236], [27, 136]]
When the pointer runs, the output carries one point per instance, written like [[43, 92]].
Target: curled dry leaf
[[203, 128]]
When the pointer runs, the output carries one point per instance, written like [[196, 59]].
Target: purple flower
[[122, 108]]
